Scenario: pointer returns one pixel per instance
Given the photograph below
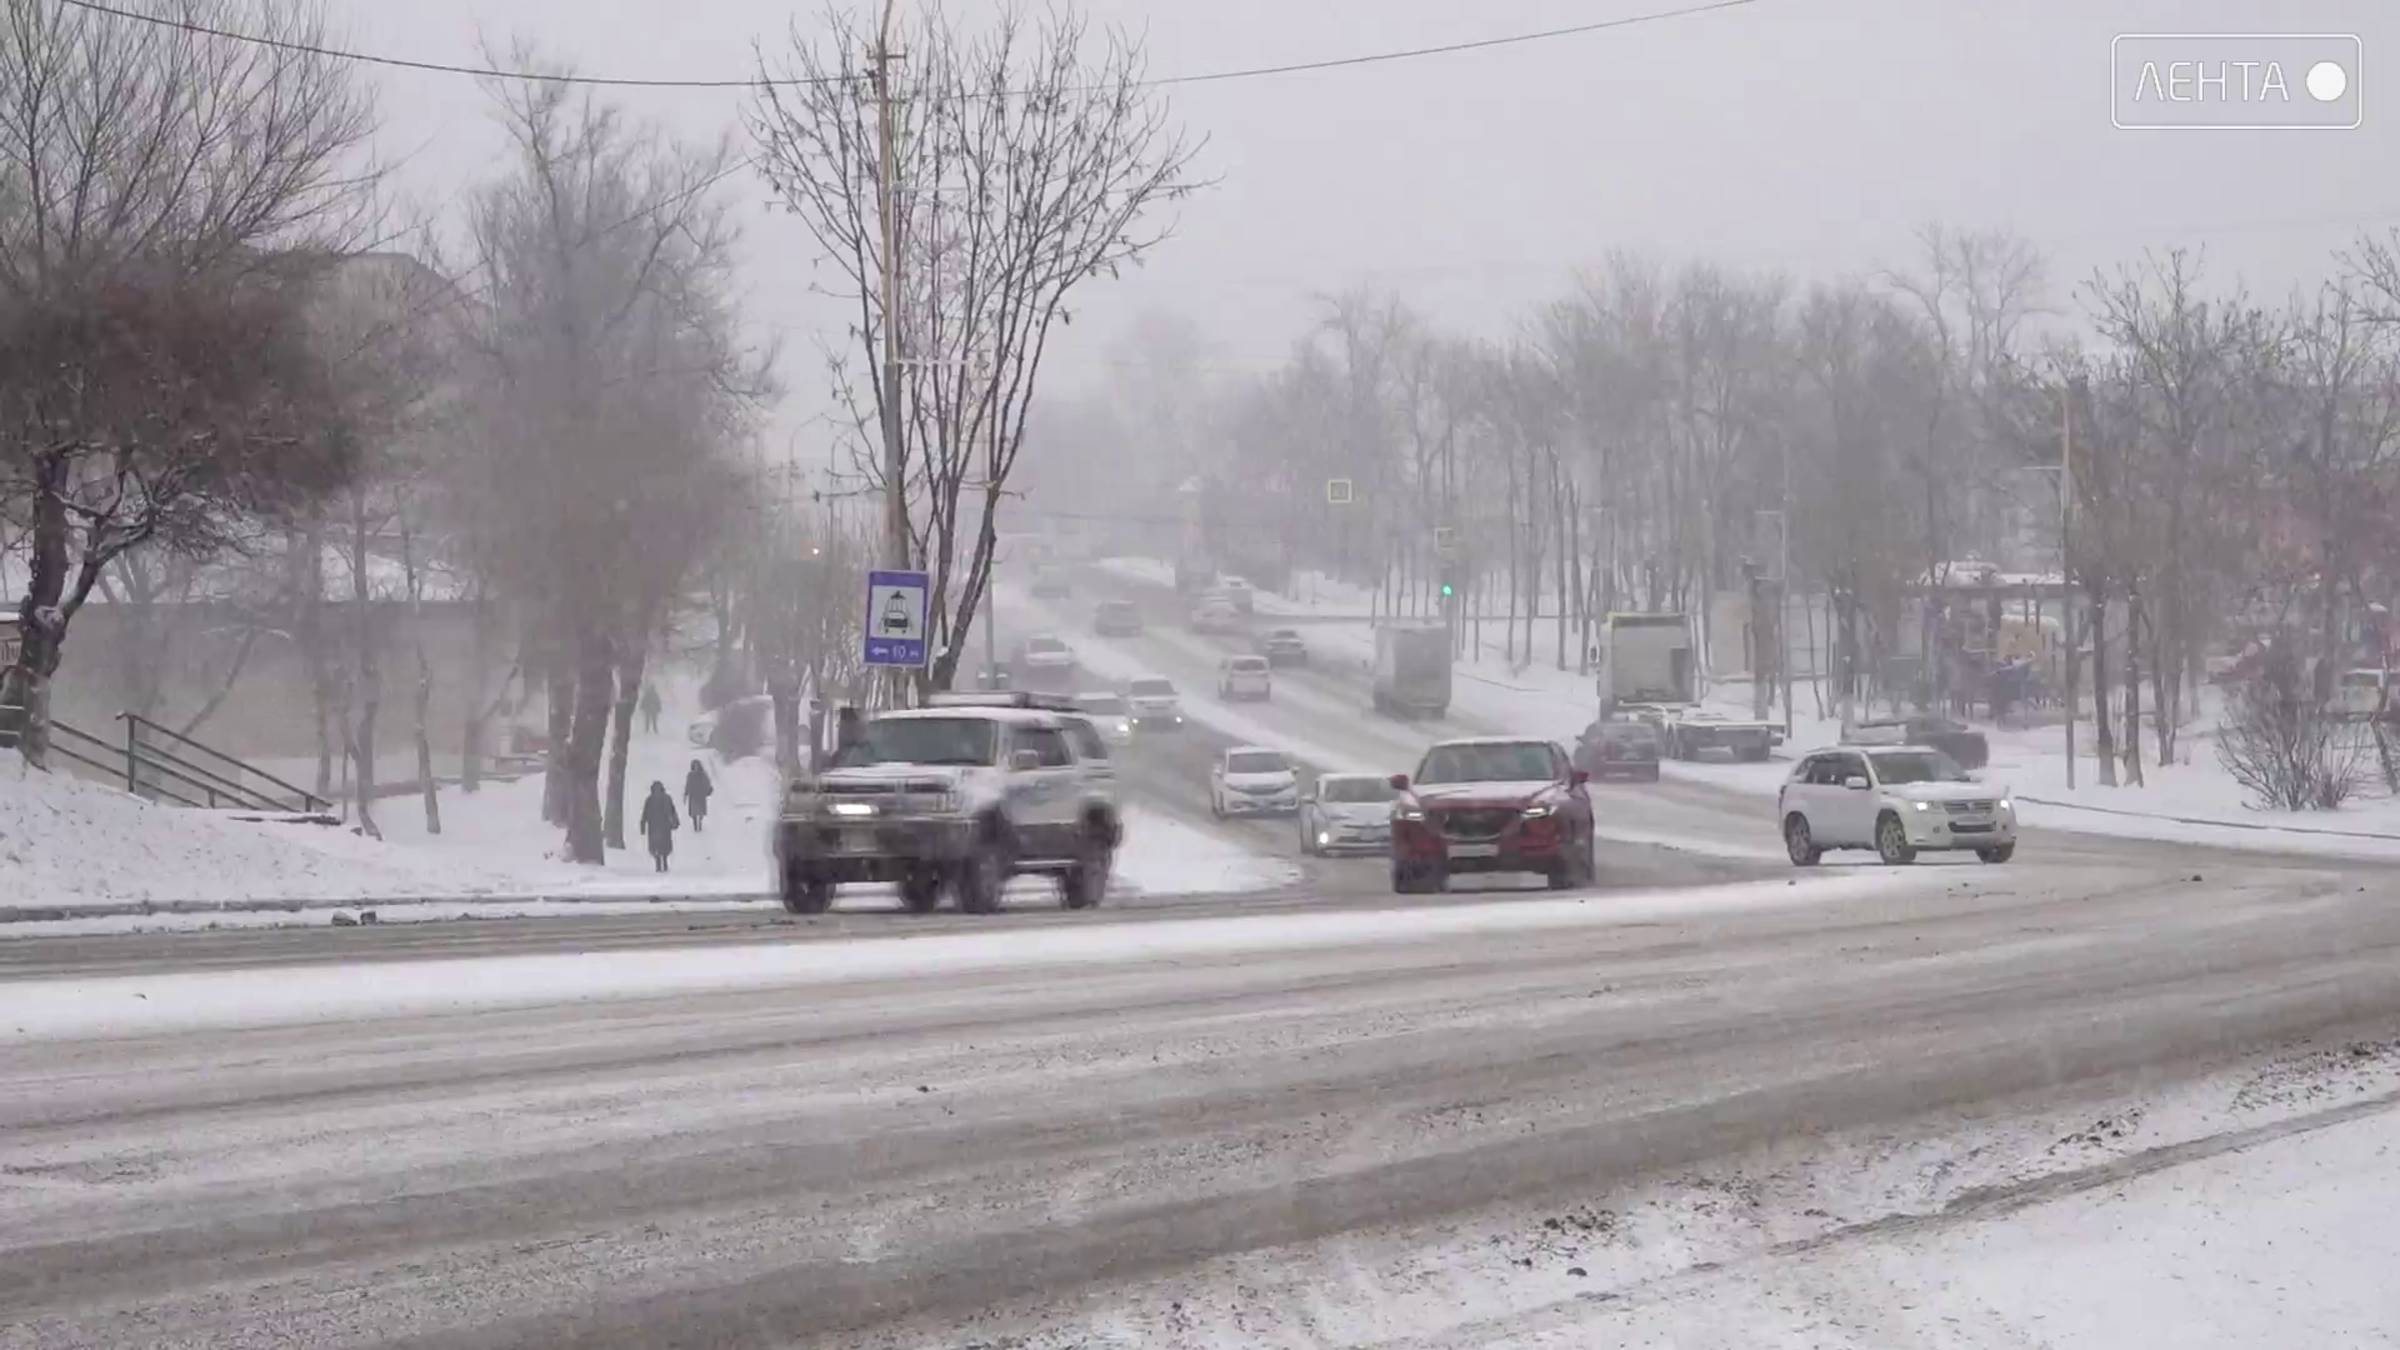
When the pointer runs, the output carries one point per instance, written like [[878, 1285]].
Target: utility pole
[[887, 209], [2066, 587]]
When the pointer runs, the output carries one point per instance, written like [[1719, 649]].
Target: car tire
[[1997, 853], [1085, 885], [804, 894], [979, 878], [1216, 805], [1799, 842], [1891, 841], [921, 891]]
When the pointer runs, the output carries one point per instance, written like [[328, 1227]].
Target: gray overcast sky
[[1812, 136]]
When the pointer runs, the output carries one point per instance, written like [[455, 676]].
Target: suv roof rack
[[1003, 698]]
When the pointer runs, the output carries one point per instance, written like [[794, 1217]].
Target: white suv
[[1245, 677], [956, 797], [1898, 800]]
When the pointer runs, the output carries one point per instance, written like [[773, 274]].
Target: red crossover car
[[1491, 806]]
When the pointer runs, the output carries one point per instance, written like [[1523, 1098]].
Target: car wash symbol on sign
[[895, 627]]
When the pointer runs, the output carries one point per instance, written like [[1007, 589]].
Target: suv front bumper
[[882, 849], [1938, 829]]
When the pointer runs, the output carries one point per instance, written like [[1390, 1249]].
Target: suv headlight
[[1922, 806]]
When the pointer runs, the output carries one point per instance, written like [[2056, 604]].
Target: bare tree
[[167, 191], [607, 374], [1030, 157]]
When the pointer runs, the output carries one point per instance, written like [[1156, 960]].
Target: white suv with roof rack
[[954, 799], [1899, 800]]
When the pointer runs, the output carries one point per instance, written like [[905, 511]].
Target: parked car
[[1283, 647], [1253, 780], [1491, 805], [1216, 614], [1898, 800], [1156, 704], [2359, 695], [1117, 618], [1109, 713], [1239, 593], [1346, 813], [1245, 677], [1959, 741], [1620, 747]]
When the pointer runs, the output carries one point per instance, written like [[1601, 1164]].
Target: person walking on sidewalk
[[650, 708], [696, 790], [659, 823]]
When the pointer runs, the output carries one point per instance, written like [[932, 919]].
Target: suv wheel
[[978, 878], [1799, 843], [1086, 883], [1891, 841], [921, 890], [803, 894], [1998, 853]]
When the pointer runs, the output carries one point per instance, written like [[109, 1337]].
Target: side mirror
[[1399, 782], [1020, 761], [1856, 782], [1577, 778]]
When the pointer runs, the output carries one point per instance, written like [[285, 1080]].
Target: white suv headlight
[[1922, 806]]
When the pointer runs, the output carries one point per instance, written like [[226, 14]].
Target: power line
[[1449, 48], [438, 67], [759, 81]]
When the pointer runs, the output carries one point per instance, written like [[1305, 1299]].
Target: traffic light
[[1448, 590]]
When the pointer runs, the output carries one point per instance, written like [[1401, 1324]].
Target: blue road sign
[[898, 633]]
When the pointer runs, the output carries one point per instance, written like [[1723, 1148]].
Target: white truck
[[1647, 671]]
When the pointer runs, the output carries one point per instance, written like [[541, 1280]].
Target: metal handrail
[[207, 780], [309, 801]]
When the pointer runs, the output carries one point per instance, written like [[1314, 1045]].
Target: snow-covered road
[[866, 1135]]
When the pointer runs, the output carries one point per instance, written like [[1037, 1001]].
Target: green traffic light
[[1448, 590]]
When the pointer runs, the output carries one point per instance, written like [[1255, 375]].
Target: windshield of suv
[[1103, 705], [1152, 687], [1894, 768], [1256, 761], [921, 740], [1509, 762], [1354, 788]]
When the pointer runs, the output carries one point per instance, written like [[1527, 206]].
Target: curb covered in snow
[[2211, 821], [110, 909]]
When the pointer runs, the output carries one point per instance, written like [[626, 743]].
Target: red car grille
[[1474, 822]]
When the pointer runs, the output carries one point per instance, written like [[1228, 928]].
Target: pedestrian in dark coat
[[659, 823], [696, 789], [650, 708]]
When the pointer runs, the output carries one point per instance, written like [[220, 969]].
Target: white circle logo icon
[[2327, 81]]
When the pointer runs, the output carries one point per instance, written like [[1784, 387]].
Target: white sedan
[[1253, 780]]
